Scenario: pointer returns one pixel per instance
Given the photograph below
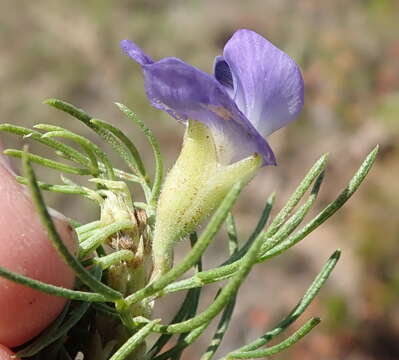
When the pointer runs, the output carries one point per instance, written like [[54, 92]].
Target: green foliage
[[123, 296]]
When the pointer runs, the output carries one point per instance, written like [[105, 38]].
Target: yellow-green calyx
[[193, 189]]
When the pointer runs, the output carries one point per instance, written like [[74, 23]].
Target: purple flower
[[256, 89]]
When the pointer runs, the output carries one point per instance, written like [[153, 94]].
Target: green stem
[[195, 254], [88, 227], [220, 331], [137, 339], [67, 151], [328, 211], [114, 258], [258, 229], [56, 240], [48, 163], [101, 235], [156, 189], [134, 159], [313, 173], [300, 308], [52, 289], [293, 339], [224, 297], [226, 271]]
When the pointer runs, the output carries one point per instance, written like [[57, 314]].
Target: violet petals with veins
[[256, 90]]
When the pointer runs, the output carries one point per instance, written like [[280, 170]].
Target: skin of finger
[[26, 249], [6, 353]]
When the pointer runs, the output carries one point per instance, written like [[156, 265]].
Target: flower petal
[[268, 85], [223, 74], [135, 52], [187, 92]]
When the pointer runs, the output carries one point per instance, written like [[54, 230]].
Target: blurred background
[[349, 54]]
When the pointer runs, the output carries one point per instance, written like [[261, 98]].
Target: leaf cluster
[[93, 297]]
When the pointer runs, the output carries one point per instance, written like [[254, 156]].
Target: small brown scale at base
[[130, 276], [130, 239]]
